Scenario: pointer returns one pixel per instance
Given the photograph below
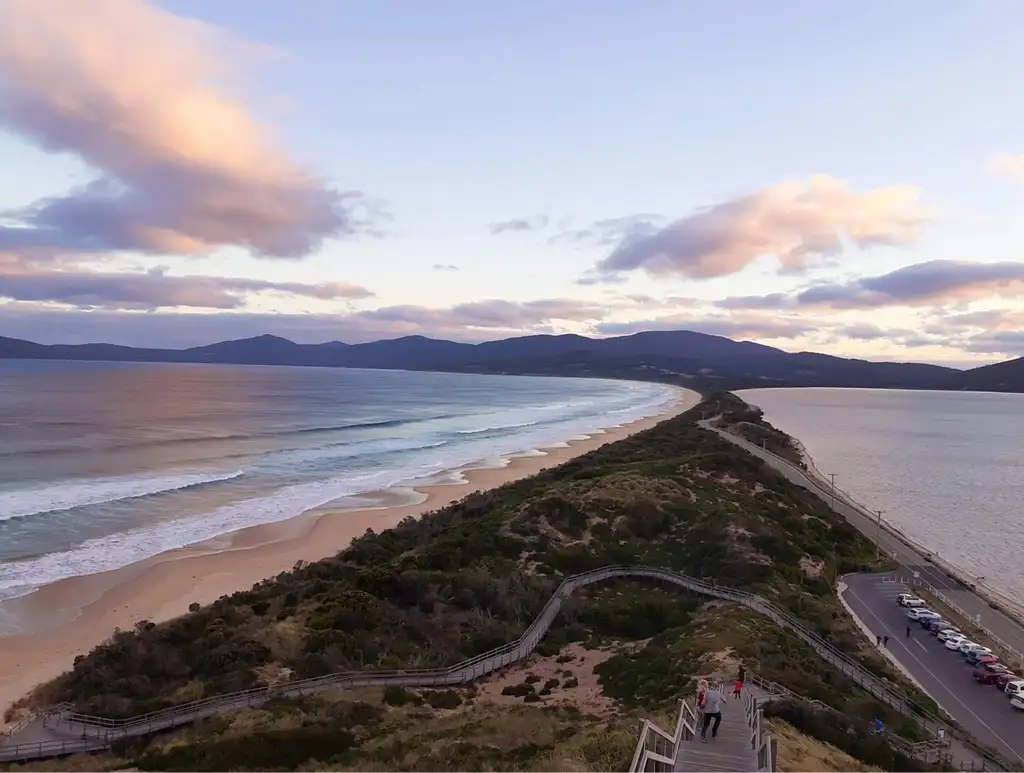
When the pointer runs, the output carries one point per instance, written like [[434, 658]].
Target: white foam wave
[[347, 450], [110, 552], [496, 428], [22, 503]]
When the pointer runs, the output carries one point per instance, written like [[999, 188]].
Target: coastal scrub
[[460, 581]]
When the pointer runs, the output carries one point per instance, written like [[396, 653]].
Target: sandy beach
[[88, 608]]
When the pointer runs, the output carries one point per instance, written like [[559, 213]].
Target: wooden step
[[736, 755]]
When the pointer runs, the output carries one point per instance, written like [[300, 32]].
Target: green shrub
[[442, 699]]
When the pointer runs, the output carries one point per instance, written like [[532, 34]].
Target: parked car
[[928, 623], [918, 612], [1017, 701], [987, 673], [909, 600], [977, 651], [966, 645], [954, 642], [1005, 678], [944, 626], [1014, 687], [950, 633], [981, 659]]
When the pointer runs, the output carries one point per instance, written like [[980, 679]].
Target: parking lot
[[983, 710]]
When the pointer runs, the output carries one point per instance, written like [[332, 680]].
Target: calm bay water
[[947, 468], [104, 464]]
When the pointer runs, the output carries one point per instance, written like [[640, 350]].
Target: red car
[[988, 673]]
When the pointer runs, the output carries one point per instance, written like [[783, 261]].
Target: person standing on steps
[[742, 676], [702, 694], [712, 713]]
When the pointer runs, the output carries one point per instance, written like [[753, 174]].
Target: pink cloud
[[183, 166], [796, 222]]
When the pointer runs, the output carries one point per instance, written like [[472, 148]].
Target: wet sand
[[70, 617]]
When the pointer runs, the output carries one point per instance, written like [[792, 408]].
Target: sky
[[837, 177]]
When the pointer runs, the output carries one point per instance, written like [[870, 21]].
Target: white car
[[954, 643], [977, 651], [909, 600], [967, 645], [950, 633], [1014, 688], [1017, 701], [921, 613]]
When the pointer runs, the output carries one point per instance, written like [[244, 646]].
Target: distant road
[[910, 559], [981, 709]]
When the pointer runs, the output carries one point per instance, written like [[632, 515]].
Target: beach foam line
[[100, 554], [497, 428], [55, 497]]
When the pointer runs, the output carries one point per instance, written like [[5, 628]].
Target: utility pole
[[878, 539], [832, 475]]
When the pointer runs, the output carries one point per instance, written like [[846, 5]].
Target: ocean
[[105, 464], [947, 468]]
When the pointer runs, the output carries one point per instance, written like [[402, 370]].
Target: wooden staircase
[[733, 749], [740, 746]]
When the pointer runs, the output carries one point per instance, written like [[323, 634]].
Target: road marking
[[918, 643], [941, 682]]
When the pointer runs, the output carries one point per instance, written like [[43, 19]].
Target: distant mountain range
[[679, 356]]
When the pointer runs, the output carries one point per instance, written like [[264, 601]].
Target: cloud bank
[[155, 289], [796, 222], [520, 225], [922, 284], [183, 168]]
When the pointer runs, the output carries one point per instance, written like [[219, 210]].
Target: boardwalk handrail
[[765, 747], [656, 750], [916, 749], [475, 667], [815, 480]]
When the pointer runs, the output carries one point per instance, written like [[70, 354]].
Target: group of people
[[709, 704]]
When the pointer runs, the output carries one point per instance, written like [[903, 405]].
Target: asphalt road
[[982, 710], [911, 560]]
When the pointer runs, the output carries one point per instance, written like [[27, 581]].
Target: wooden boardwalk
[[64, 731]]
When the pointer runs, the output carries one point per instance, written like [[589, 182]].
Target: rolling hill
[[681, 356]]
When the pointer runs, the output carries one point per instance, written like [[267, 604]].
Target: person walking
[[885, 641], [742, 676], [712, 714], [908, 631], [737, 688], [878, 641]]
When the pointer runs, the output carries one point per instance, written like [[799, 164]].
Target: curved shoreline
[[87, 608]]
